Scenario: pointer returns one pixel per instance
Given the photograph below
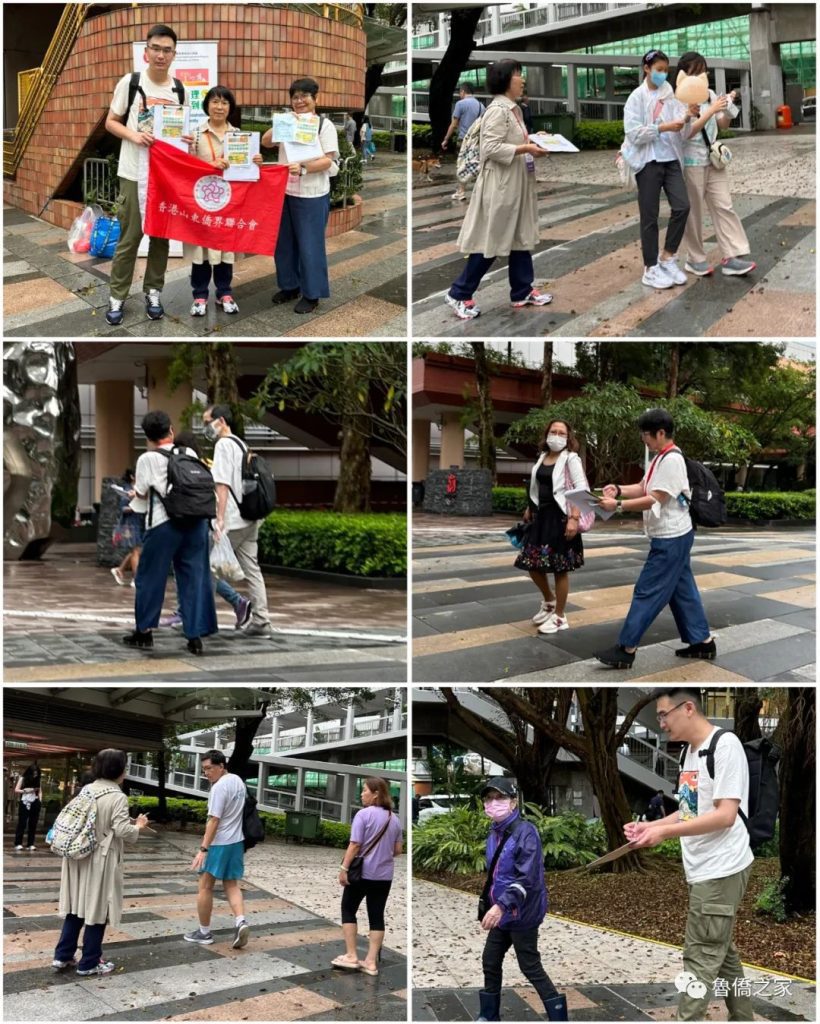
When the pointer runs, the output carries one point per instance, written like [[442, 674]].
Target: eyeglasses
[[661, 715], [166, 51]]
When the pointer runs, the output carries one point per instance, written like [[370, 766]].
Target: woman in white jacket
[[553, 542], [653, 148]]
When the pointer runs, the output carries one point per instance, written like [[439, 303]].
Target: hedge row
[[610, 134], [331, 833], [355, 545], [739, 505]]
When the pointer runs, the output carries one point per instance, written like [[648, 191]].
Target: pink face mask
[[498, 810]]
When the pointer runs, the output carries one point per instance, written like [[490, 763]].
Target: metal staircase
[[40, 82]]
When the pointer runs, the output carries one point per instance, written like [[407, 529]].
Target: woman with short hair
[[91, 889], [502, 218], [376, 836]]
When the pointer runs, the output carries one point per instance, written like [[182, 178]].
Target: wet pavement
[[52, 293], [605, 975], [64, 618], [472, 608], [589, 256], [283, 973]]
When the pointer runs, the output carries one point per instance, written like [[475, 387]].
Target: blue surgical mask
[[658, 77]]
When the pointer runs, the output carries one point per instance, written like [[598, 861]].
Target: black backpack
[[134, 87], [252, 827], [764, 786], [707, 506], [190, 493], [258, 485]]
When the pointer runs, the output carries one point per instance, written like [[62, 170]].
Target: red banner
[[190, 201]]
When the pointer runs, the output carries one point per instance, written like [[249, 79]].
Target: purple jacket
[[518, 879]]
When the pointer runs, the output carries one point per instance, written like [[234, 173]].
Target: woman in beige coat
[[502, 219], [91, 888]]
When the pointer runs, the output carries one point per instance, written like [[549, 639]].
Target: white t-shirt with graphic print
[[129, 165], [727, 851]]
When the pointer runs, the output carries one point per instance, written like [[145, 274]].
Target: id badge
[[529, 159]]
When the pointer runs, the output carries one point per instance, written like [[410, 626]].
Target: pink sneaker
[[535, 298]]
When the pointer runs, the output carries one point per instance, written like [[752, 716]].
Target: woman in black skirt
[[553, 540]]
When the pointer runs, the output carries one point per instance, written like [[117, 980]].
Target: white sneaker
[[544, 612], [200, 307], [116, 572], [553, 624], [655, 277], [18, 847], [228, 304], [464, 309], [672, 270]]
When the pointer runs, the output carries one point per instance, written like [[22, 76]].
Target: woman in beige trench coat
[[91, 888], [502, 219]]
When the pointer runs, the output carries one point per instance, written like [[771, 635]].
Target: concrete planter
[[345, 218]]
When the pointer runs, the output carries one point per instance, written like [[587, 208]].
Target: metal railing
[[348, 14], [98, 185], [42, 82], [601, 110], [25, 81], [386, 123]]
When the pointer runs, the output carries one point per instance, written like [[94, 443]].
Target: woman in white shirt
[[652, 147], [553, 540], [708, 185], [301, 258]]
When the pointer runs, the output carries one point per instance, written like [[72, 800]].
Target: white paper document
[[553, 143], [290, 127], [239, 149], [300, 153], [171, 123], [586, 501]]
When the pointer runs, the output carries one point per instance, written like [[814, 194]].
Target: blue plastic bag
[[104, 237]]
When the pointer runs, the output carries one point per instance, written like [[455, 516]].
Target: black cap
[[505, 786]]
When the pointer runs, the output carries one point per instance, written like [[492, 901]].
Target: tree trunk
[[221, 386], [463, 23], [162, 795], [747, 709], [353, 485], [798, 794], [674, 369], [546, 376], [486, 425], [245, 730]]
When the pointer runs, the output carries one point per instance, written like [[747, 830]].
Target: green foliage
[[509, 499], [334, 833], [599, 135], [772, 899], [568, 840], [422, 136], [454, 842], [347, 183], [382, 139], [669, 848], [772, 505], [771, 848], [357, 545]]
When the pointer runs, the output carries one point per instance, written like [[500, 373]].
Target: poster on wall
[[195, 65]]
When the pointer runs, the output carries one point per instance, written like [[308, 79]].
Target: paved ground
[[605, 975], [589, 257], [472, 609], [64, 618], [282, 974], [52, 293]]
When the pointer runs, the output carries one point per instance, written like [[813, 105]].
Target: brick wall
[[344, 218], [261, 51]]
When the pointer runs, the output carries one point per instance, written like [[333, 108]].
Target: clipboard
[[607, 857]]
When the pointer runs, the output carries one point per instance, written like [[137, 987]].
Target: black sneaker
[[138, 639], [305, 305], [285, 296], [706, 650], [153, 305], [616, 657]]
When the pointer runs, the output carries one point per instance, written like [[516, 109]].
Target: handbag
[[587, 519], [517, 535], [720, 156], [485, 892], [356, 866]]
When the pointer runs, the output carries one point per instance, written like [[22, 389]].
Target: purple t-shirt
[[369, 821]]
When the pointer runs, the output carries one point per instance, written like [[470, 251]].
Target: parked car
[[440, 803], [809, 108]]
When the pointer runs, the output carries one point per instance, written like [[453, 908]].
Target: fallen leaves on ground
[[621, 902]]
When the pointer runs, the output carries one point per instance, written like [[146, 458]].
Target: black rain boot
[[490, 1003], [556, 1008]]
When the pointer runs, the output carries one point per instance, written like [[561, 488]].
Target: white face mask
[[556, 442]]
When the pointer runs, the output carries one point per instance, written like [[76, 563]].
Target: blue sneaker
[[115, 312], [153, 305]]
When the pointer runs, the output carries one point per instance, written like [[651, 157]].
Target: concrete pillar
[[347, 789], [397, 709], [300, 789], [495, 19], [720, 81], [452, 441], [350, 720], [260, 780], [745, 101], [421, 449], [405, 806], [160, 395], [443, 31], [309, 728], [274, 736], [114, 430], [572, 89], [767, 73], [536, 75]]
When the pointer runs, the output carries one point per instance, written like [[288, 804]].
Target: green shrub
[[422, 136], [669, 848], [771, 848], [772, 505], [567, 839], [186, 811], [772, 901], [382, 139], [356, 545], [599, 134], [509, 499], [453, 842]]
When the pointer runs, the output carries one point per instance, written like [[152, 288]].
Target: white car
[[809, 108], [440, 803]]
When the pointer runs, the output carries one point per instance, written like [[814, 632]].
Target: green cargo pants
[[708, 951], [125, 256]]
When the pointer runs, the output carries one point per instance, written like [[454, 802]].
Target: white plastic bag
[[224, 563], [79, 234]]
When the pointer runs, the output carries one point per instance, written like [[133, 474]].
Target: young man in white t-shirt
[[717, 856], [229, 453], [663, 497], [158, 87], [222, 852]]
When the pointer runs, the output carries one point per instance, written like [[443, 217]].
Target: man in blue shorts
[[221, 854]]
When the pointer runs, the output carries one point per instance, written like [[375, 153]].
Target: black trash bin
[[398, 143]]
